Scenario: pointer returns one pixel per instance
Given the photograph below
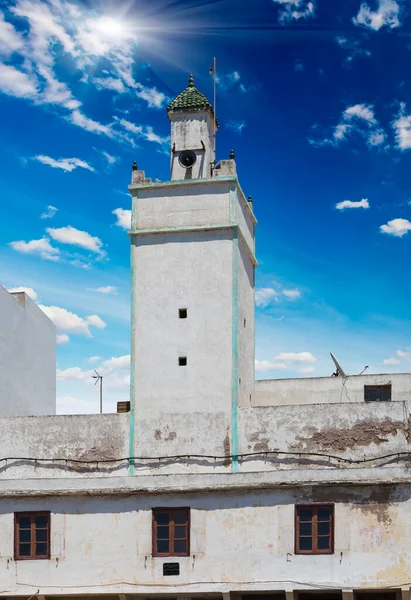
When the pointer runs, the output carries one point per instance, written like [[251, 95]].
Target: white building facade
[[213, 485], [27, 357]]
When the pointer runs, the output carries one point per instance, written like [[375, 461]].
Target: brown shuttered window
[[31, 535], [314, 529], [171, 532]]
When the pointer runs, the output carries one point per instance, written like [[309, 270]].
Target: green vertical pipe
[[131, 449], [234, 329]]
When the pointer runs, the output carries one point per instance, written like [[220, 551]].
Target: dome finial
[[191, 81]]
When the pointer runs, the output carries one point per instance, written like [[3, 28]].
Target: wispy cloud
[[294, 10], [108, 289], [402, 129], [267, 296], [143, 132], [69, 322], [236, 126], [386, 15], [41, 247], [10, 40], [49, 212], [14, 82], [353, 48], [396, 227], [110, 158], [66, 164], [287, 361], [350, 204], [357, 120], [76, 237], [62, 338], [123, 217]]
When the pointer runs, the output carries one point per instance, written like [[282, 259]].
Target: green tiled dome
[[190, 100]]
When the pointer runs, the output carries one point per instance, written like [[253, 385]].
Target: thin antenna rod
[[99, 379], [215, 109]]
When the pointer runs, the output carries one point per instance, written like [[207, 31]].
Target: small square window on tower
[[182, 361], [182, 313]]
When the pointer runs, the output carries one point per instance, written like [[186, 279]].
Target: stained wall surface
[[240, 542]]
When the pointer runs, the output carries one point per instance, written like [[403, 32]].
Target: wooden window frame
[[32, 515], [314, 508], [155, 512]]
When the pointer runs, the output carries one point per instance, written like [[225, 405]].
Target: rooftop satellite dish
[[339, 372]]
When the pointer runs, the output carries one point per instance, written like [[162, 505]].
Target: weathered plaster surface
[[238, 542]]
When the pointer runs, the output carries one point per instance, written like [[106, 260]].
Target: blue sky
[[315, 98]]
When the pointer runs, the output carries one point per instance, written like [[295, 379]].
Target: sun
[[109, 27]]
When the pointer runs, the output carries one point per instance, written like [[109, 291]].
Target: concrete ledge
[[203, 482]]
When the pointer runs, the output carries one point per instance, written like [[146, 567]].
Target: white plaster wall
[[182, 205], [245, 326], [81, 437], [245, 219], [188, 130], [327, 390], [27, 357], [189, 270], [238, 542]]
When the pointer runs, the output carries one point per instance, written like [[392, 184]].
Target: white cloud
[[66, 164], [406, 354], [73, 374], [76, 237], [41, 247], [295, 10], [77, 118], [263, 366], [66, 321], [307, 370], [265, 296], [16, 83], [391, 361], [292, 294], [152, 96], [10, 40], [96, 321], [349, 204], [236, 126], [145, 132], [49, 212], [94, 359], [62, 338], [227, 81], [110, 83], [111, 160], [29, 291], [402, 129], [120, 362], [123, 217], [296, 357], [353, 48], [358, 119], [387, 15], [108, 289], [396, 227], [360, 111]]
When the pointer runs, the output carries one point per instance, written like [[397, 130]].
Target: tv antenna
[[99, 378], [339, 370]]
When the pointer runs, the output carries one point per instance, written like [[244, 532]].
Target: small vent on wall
[[123, 407], [170, 569]]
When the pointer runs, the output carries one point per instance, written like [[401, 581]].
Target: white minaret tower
[[192, 278]]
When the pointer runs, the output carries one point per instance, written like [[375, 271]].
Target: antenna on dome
[[213, 71], [340, 371]]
